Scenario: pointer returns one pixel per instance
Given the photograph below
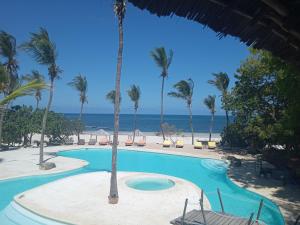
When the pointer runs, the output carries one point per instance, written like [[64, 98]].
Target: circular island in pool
[[82, 199], [150, 183]]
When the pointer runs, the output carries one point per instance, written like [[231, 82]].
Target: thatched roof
[[272, 25]]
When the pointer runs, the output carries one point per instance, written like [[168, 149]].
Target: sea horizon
[[150, 122]]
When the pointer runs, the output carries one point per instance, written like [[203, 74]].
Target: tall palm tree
[[79, 83], [134, 93], [119, 9], [184, 90], [209, 101], [35, 75], [8, 52], [163, 61], [43, 50], [221, 82]]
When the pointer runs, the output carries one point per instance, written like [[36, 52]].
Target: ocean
[[150, 122]]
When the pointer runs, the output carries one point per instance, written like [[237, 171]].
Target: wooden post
[[184, 210], [221, 202], [202, 208], [259, 209]]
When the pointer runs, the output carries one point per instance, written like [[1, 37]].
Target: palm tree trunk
[[2, 112], [134, 125], [37, 104], [113, 193], [227, 119], [191, 122], [80, 117], [211, 125], [162, 107], [44, 123]]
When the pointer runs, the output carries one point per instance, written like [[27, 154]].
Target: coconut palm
[[209, 101], [79, 83], [163, 61], [134, 93], [184, 90], [111, 96], [43, 50], [35, 75], [119, 9], [8, 52], [221, 82]]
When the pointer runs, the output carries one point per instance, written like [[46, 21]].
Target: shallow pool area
[[207, 174]]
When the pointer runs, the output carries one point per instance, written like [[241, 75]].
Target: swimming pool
[[201, 172]]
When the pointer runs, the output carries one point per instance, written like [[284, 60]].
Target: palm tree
[[163, 61], [119, 9], [184, 91], [35, 75], [134, 93], [209, 101], [44, 52], [8, 51], [80, 84], [111, 96], [221, 82]]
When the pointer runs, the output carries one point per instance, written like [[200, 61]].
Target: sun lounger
[[129, 141], [141, 142], [211, 145], [179, 144], [81, 142], [92, 141], [103, 141], [167, 143], [69, 141], [198, 145]]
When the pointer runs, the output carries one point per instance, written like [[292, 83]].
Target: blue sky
[[85, 33]]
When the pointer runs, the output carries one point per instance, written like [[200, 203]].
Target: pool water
[[150, 184], [202, 172]]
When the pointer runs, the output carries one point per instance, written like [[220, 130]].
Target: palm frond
[[27, 89], [161, 59], [221, 81], [111, 96], [134, 93]]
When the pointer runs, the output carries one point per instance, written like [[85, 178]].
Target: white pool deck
[[83, 199]]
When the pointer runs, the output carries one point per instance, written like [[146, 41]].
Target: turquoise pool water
[[150, 184], [205, 173]]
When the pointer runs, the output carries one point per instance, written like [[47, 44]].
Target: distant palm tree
[[134, 93], [119, 9], [111, 96], [163, 61], [184, 91], [8, 51], [35, 75], [44, 52], [209, 101], [79, 83], [221, 82]]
